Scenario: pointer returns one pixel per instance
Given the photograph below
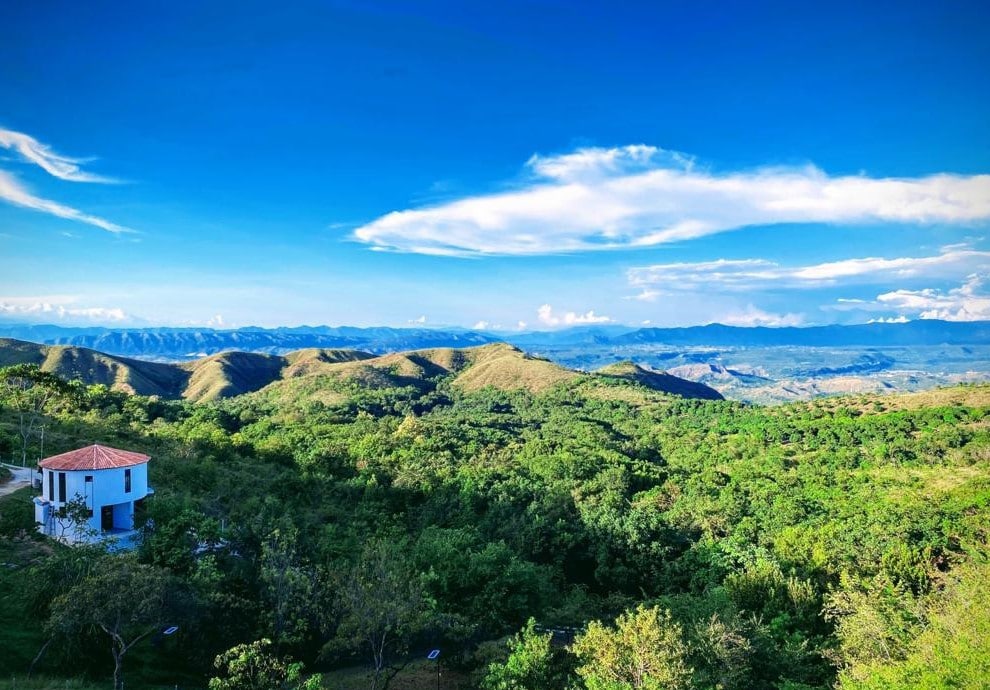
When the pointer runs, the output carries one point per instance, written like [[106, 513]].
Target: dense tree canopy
[[698, 544]]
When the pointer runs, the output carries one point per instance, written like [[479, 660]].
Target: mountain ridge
[[229, 374], [192, 343]]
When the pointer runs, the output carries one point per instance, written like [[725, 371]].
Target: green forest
[[591, 534]]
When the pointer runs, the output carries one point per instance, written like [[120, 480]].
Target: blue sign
[[170, 631], [433, 654]]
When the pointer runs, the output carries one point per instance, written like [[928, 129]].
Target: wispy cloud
[[640, 196], [59, 307], [62, 167], [14, 193], [953, 262], [547, 317], [55, 164]]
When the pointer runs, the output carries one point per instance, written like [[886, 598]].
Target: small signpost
[[435, 655]]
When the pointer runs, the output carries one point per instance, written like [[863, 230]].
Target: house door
[[106, 518]]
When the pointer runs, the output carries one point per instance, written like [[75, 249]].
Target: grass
[[22, 635]]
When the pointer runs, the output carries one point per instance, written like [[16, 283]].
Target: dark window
[[51, 485], [127, 481], [89, 491], [61, 487]]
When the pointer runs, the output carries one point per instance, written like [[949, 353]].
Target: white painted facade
[[109, 494]]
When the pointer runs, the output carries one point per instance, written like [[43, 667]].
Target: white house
[[107, 480]]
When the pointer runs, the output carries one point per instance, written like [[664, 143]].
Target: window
[[61, 487], [127, 481], [88, 483], [51, 485]]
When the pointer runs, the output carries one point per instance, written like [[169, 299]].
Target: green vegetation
[[357, 517], [229, 374]]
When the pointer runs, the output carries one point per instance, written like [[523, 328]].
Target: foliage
[[533, 664], [645, 650], [125, 600], [253, 666], [382, 608], [359, 521], [30, 393]]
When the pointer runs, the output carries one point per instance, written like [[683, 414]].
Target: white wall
[[107, 488]]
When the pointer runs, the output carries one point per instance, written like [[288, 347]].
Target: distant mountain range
[[316, 373], [192, 343]]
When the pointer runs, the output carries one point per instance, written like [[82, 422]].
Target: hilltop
[[309, 373], [659, 380]]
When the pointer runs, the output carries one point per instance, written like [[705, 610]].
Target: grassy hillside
[[316, 373], [659, 380]]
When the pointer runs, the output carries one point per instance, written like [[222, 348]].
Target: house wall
[[107, 488]]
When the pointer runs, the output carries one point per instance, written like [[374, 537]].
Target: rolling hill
[[659, 380], [308, 372]]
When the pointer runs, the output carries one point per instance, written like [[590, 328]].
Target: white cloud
[[55, 164], [890, 319], [968, 302], [481, 326], [420, 320], [639, 196], [646, 295], [61, 307], [216, 322], [952, 262], [548, 318], [13, 192], [521, 326], [752, 316]]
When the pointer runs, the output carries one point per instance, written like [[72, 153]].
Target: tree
[[29, 391], [533, 664], [382, 608], [125, 600], [645, 650], [253, 666], [73, 519], [288, 586]]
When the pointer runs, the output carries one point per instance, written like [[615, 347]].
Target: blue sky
[[491, 165]]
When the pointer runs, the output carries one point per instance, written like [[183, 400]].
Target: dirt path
[[11, 487]]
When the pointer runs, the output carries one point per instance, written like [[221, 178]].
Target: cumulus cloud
[[968, 302], [57, 165], [752, 316], [951, 262], [641, 196], [481, 325], [60, 307], [547, 317]]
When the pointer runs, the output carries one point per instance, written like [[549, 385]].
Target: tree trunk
[[118, 671], [41, 653]]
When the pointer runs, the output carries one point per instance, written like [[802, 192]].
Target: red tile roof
[[95, 457]]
